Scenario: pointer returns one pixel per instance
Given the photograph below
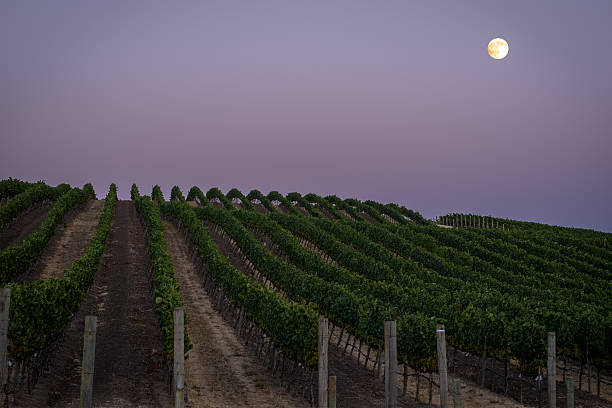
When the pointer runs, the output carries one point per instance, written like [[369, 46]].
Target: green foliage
[[40, 310], [276, 196], [167, 291], [216, 193], [291, 325], [176, 194], [235, 193], [134, 193], [312, 210], [257, 195], [348, 298], [89, 190], [16, 260], [22, 201], [341, 205], [194, 193], [157, 195], [11, 187], [324, 204]]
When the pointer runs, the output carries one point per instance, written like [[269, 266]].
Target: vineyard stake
[[552, 371], [332, 391], [390, 364], [570, 392], [442, 369], [457, 393], [89, 357], [323, 377], [178, 373], [5, 304]]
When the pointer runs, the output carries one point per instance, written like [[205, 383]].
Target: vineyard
[[255, 274]]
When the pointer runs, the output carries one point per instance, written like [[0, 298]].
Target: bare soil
[[25, 223], [69, 242], [128, 363], [220, 370]]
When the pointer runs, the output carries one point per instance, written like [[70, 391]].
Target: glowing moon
[[498, 48]]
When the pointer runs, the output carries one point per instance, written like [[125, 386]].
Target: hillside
[[253, 272]]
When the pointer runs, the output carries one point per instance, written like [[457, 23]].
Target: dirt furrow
[[128, 363], [25, 223], [220, 372], [69, 242]]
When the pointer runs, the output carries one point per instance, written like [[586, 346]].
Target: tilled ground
[[128, 364], [69, 242], [24, 225], [220, 372]]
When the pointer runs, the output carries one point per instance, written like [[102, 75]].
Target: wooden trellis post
[[178, 373], [5, 304], [323, 355], [570, 392], [442, 369], [390, 364], [552, 371], [89, 357], [332, 391]]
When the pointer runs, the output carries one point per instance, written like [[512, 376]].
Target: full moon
[[498, 48]]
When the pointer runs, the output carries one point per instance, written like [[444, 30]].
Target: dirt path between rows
[[128, 364], [220, 371], [25, 223], [69, 242]]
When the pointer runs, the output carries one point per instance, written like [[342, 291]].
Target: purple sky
[[391, 101]]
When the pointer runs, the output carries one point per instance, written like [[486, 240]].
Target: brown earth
[[220, 371], [128, 363], [25, 223], [69, 242]]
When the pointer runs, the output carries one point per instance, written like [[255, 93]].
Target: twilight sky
[[384, 100]]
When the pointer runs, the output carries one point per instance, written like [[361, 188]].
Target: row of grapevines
[[284, 203], [16, 260], [167, 291], [302, 202], [553, 251], [472, 310], [234, 193], [11, 187], [32, 195], [194, 193], [176, 194], [257, 195], [590, 241], [134, 192], [216, 193], [341, 205], [40, 310], [291, 325], [366, 209], [532, 270], [157, 195], [361, 307], [324, 205], [570, 316]]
